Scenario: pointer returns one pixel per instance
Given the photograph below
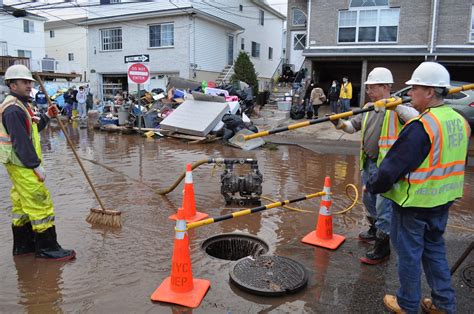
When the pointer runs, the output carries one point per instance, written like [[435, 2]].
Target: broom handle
[[71, 144]]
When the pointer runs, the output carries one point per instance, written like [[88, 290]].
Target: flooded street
[[117, 270]]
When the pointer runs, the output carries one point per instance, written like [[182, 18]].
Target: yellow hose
[[181, 177], [353, 199]]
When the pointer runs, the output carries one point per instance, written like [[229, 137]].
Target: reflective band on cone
[[181, 288], [323, 235], [189, 201]]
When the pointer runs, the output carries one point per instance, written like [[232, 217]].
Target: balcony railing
[[55, 66], [7, 61]]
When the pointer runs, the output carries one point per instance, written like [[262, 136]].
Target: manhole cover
[[234, 246], [269, 275], [468, 275]]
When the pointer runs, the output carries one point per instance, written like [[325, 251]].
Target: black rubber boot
[[47, 246], [380, 251], [369, 235], [23, 240]]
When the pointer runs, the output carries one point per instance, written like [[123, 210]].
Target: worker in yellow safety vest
[[20, 152], [423, 173], [379, 130]]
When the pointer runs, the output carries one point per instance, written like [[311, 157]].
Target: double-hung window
[[161, 35], [28, 26], [24, 53], [255, 50], [111, 39], [368, 21]]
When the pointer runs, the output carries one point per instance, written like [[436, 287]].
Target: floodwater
[[117, 270]]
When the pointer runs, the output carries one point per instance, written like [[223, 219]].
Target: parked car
[[462, 102]]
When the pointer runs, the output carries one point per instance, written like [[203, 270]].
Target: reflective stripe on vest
[[440, 177], [391, 127], [42, 221]]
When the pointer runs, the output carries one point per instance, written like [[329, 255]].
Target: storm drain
[[233, 246], [269, 275]]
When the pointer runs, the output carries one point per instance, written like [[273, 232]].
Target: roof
[[264, 5], [62, 24], [160, 13], [10, 10]]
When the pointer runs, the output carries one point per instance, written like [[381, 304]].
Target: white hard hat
[[379, 76], [430, 74], [18, 72]]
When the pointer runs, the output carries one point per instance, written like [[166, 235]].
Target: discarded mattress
[[195, 117]]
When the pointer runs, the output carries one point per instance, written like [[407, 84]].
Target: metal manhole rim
[[233, 235]]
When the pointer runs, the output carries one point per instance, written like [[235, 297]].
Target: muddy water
[[117, 271]]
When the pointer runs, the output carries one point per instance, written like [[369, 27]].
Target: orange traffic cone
[[181, 288], [189, 202], [323, 235]]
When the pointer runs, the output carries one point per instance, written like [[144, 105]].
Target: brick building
[[351, 37]]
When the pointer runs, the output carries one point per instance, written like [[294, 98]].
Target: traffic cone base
[[190, 299], [333, 243], [197, 217]]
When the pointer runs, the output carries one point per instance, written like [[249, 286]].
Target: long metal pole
[[245, 212], [140, 110]]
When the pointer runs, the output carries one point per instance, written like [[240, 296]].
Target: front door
[[230, 50]]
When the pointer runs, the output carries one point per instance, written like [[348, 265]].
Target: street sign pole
[[140, 110]]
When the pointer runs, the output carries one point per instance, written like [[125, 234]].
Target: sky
[[279, 5]]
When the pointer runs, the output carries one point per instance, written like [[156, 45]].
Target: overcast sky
[[280, 5]]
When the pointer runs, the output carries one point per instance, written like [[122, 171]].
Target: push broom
[[100, 216]]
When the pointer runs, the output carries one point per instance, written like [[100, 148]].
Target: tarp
[[195, 117]]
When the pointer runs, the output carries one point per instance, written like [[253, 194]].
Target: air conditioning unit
[[47, 65]]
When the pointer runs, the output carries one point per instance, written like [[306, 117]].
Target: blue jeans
[[345, 104], [378, 207], [418, 239], [334, 106]]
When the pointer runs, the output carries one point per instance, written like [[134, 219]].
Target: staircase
[[225, 75]]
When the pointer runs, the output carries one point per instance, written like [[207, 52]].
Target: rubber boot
[[369, 235], [380, 251], [23, 240], [47, 246]]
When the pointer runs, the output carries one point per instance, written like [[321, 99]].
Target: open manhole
[[234, 246], [269, 275]]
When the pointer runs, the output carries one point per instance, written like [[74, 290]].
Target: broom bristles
[[110, 218]]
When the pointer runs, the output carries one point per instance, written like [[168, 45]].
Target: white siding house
[[21, 36], [190, 39], [66, 42]]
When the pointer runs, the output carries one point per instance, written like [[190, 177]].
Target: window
[[298, 17], [270, 53], [3, 48], [368, 3], [70, 56], [261, 17], [242, 44], [368, 25], [472, 24], [115, 1], [28, 26], [24, 53], [111, 39], [51, 34], [255, 50], [162, 35], [299, 41], [241, 7]]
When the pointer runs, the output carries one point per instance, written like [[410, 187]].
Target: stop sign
[[138, 73]]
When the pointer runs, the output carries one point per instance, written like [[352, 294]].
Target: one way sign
[[137, 58]]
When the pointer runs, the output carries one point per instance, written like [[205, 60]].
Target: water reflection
[[39, 284]]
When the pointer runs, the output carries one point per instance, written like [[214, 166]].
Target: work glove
[[53, 111], [40, 173]]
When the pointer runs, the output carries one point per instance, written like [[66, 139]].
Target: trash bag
[[157, 90], [297, 111], [233, 122]]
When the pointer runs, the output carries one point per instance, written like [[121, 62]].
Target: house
[[66, 43], [198, 40], [21, 38], [351, 37]]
